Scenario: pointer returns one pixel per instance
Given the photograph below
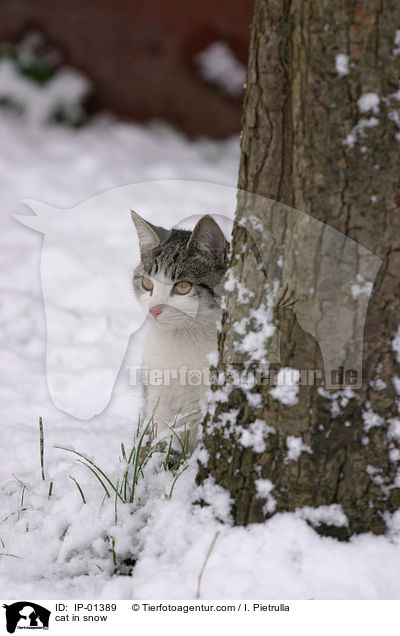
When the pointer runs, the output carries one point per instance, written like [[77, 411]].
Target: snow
[[218, 65], [367, 102], [240, 327], [396, 51], [255, 342], [255, 222], [332, 515], [255, 435], [228, 417], [396, 383], [67, 89], [212, 357], [264, 487], [379, 384], [377, 478], [358, 131], [342, 64], [296, 446], [371, 420], [394, 116], [394, 428], [394, 455], [396, 344], [287, 388], [361, 287], [63, 547], [254, 399], [340, 399], [396, 95], [279, 559], [244, 294]]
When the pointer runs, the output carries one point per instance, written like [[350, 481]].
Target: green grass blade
[[178, 438], [41, 447], [174, 482], [79, 488], [10, 555], [89, 461], [96, 475], [136, 463], [116, 506]]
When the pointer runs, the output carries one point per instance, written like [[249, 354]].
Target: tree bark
[[322, 137]]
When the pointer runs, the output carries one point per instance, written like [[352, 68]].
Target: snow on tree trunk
[[321, 133]]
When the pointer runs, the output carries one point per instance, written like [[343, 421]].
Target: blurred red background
[[141, 54]]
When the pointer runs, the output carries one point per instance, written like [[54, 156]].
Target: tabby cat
[[178, 283]]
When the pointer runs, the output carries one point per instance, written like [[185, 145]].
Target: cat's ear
[[150, 236], [208, 237]]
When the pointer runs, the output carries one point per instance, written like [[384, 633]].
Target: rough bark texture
[[298, 113]]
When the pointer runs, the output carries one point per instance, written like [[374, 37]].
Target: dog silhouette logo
[[26, 615]]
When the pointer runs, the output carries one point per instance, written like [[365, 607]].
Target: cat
[[179, 283]]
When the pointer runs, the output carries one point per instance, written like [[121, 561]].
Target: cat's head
[[179, 280]]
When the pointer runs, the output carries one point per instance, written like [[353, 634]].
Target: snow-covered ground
[[59, 546]]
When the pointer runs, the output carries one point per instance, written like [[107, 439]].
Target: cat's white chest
[[176, 377], [168, 351]]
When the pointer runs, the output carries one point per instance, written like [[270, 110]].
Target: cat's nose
[[156, 310]]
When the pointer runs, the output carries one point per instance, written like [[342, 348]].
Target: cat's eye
[[182, 287], [147, 284]]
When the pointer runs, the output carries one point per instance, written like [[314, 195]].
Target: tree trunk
[[321, 133]]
